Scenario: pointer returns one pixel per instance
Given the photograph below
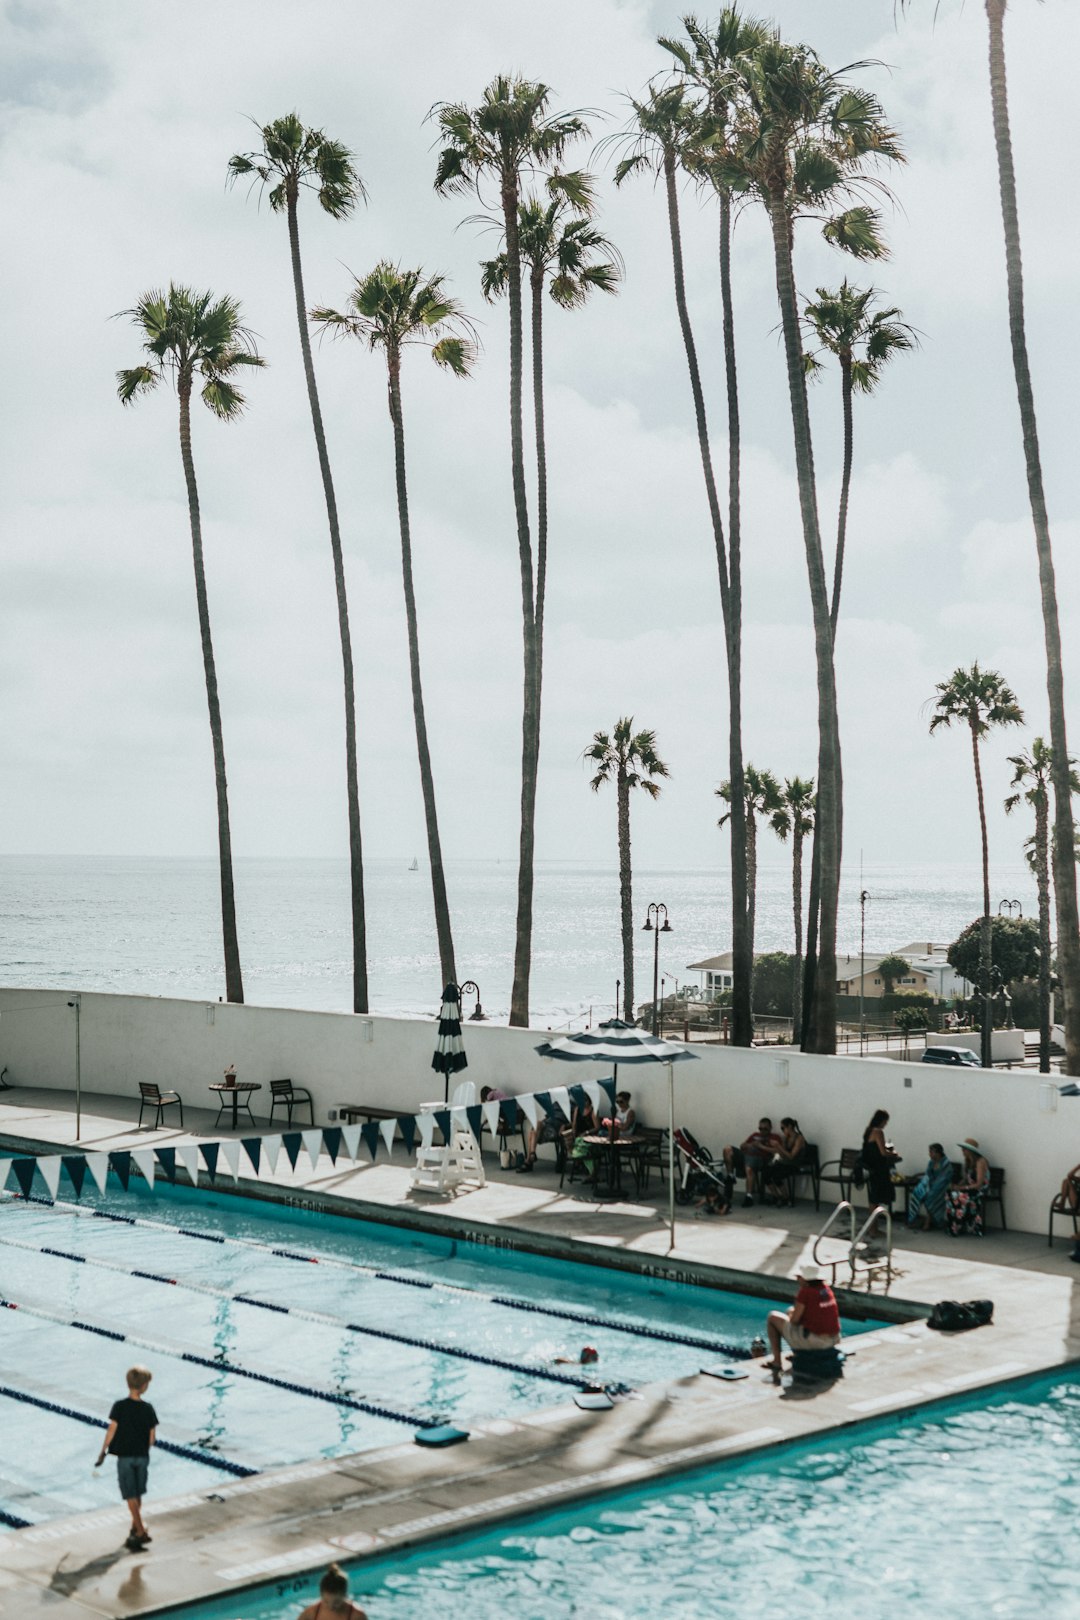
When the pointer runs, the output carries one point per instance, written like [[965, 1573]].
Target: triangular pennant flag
[[5, 1166], [387, 1127], [189, 1158], [406, 1124], [369, 1135], [121, 1163], [608, 1086], [292, 1142], [508, 1108], [98, 1166], [252, 1146], [24, 1174], [271, 1146], [49, 1165], [426, 1125], [76, 1169], [166, 1157], [144, 1159], [543, 1100], [350, 1141], [561, 1099], [332, 1142], [230, 1152], [490, 1111], [209, 1152], [474, 1117], [312, 1141], [579, 1096], [529, 1108], [591, 1088], [441, 1117]]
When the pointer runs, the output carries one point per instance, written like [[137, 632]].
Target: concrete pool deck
[[289, 1521]]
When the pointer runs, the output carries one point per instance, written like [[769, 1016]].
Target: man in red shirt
[[812, 1323]]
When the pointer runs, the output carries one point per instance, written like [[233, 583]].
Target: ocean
[[152, 927]]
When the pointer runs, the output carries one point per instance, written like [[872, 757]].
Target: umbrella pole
[[671, 1154]]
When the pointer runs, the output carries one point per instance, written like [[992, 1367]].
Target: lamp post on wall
[[478, 1015], [76, 1002], [654, 926], [863, 898]]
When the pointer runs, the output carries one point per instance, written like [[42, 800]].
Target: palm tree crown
[[560, 244], [628, 756], [390, 308], [794, 816], [187, 335], [977, 698], [510, 132], [1032, 776], [294, 157], [764, 795], [862, 338]]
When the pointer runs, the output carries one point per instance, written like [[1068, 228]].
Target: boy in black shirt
[[131, 1432]]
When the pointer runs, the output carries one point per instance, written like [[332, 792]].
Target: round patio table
[[234, 1093], [612, 1150]]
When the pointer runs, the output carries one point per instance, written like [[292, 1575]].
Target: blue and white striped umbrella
[[449, 1057]]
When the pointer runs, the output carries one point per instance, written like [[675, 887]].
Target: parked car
[[960, 1057]]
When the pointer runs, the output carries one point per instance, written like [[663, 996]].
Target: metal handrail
[[875, 1264], [843, 1205]]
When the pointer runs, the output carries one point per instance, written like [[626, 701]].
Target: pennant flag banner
[[426, 1125], [143, 1159], [591, 1088], [252, 1146], [474, 1117], [490, 1111], [98, 1166], [543, 1100], [5, 1166], [387, 1127], [189, 1159], [271, 1146], [529, 1109], [350, 1140], [76, 1169], [407, 1126], [230, 1152], [608, 1086], [209, 1152], [442, 1120], [560, 1096], [50, 1167], [579, 1096], [121, 1163], [292, 1142], [332, 1142], [166, 1157], [509, 1110], [369, 1134], [24, 1174], [312, 1141]]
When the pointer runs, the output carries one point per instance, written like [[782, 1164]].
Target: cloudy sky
[[118, 119]]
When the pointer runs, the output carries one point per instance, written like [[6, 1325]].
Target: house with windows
[[929, 973]]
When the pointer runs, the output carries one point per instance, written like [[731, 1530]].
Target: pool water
[[970, 1511], [220, 1363]]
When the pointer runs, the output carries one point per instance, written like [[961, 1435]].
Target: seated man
[[812, 1323], [751, 1157]]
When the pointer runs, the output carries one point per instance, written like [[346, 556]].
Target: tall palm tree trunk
[[986, 932], [537, 290], [234, 984], [796, 900], [742, 952], [751, 892], [1065, 891], [356, 859], [828, 833], [626, 897], [530, 717], [423, 752], [1042, 875], [845, 489], [742, 958]]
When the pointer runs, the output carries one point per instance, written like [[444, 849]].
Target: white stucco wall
[[1016, 1115]]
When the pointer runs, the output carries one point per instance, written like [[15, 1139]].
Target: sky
[[116, 123]]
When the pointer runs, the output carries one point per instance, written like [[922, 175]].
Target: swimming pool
[[898, 1518], [280, 1335]]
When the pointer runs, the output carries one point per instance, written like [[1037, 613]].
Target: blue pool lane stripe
[[190, 1452], [732, 1352]]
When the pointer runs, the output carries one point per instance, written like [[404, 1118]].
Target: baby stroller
[[699, 1175]]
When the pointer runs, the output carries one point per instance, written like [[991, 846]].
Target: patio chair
[[1063, 1205], [651, 1148], [283, 1094], [842, 1172], [152, 1096]]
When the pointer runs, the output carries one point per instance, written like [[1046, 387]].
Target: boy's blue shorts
[[131, 1475]]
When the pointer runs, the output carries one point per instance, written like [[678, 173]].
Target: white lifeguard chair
[[442, 1169]]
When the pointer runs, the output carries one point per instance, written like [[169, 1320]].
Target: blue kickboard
[[593, 1400], [729, 1373], [441, 1434]]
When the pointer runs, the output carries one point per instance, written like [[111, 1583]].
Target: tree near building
[[892, 968], [981, 700], [629, 759], [762, 797], [1014, 951], [795, 820]]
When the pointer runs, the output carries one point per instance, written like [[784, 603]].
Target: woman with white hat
[[812, 1323], [964, 1202]]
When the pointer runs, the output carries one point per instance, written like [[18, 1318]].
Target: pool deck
[[290, 1521]]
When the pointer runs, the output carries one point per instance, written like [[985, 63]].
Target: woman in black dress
[[878, 1158]]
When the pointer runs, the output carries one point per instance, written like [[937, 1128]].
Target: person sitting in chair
[[751, 1157], [779, 1175]]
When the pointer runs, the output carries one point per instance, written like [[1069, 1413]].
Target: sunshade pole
[[671, 1154]]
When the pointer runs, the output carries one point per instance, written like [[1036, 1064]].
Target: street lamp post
[[863, 898], [654, 926], [478, 1015], [76, 1002]]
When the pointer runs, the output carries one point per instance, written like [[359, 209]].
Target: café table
[[612, 1151], [239, 1094]]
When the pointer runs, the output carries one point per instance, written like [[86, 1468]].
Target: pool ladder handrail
[[868, 1264], [842, 1206]]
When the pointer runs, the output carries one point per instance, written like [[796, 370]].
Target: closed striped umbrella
[[449, 1057], [617, 1042]]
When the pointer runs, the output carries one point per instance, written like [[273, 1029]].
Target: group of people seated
[[571, 1136], [948, 1195], [768, 1162]]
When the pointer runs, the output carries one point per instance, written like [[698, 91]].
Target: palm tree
[[864, 340], [629, 759], [794, 818], [510, 134], [188, 335], [979, 699], [1064, 864], [762, 796], [294, 159], [562, 250], [391, 309], [1032, 776], [802, 143], [664, 128]]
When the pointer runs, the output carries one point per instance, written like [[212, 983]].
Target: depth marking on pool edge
[[316, 1553]]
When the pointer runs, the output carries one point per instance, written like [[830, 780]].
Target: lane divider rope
[[639, 1330], [323, 1318], [192, 1453]]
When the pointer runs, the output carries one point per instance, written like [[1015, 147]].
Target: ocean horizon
[[146, 925]]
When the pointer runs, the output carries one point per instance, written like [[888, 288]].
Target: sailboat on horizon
[[414, 865]]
